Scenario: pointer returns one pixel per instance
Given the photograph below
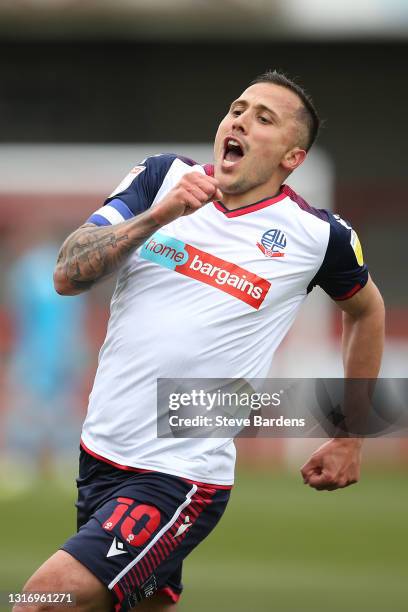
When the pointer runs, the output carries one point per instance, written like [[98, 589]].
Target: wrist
[[348, 442], [161, 215], [154, 218]]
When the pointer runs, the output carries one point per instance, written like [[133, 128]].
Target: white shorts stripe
[[163, 530]]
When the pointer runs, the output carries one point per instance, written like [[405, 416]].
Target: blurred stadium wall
[[85, 84]]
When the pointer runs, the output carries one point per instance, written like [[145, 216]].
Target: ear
[[293, 158]]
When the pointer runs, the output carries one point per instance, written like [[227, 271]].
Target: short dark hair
[[309, 116]]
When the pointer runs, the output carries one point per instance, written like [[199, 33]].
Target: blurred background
[[88, 89]]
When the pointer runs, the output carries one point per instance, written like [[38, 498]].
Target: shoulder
[[161, 163], [146, 178], [300, 204], [338, 231], [143, 186], [164, 161], [154, 169], [343, 241], [157, 166], [342, 271]]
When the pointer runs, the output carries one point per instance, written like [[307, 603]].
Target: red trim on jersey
[[244, 210], [349, 294], [117, 465], [206, 484], [129, 468], [320, 214], [170, 593]]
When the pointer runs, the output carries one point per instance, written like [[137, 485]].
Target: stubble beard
[[241, 184], [245, 183]]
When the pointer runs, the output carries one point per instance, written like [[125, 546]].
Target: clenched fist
[[189, 195], [335, 465]]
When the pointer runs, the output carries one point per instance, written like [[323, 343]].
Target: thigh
[[62, 573], [136, 540]]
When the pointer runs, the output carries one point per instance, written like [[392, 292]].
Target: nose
[[240, 123]]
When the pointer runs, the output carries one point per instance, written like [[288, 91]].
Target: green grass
[[284, 547], [280, 546]]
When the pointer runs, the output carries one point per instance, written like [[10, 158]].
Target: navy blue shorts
[[136, 527]]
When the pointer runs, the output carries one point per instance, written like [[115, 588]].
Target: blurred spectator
[[44, 370]]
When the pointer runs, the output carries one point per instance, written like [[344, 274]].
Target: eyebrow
[[258, 107]]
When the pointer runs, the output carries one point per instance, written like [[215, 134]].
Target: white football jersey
[[210, 295]]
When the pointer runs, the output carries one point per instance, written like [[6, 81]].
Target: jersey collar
[[244, 210]]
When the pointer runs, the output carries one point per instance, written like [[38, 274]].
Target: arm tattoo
[[92, 253]]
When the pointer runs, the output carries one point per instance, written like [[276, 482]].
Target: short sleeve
[[343, 271], [135, 193]]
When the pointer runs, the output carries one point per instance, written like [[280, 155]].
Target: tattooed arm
[[92, 253]]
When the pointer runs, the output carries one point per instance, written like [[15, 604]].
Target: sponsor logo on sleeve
[[342, 221], [273, 243], [206, 268], [356, 246], [128, 180], [137, 170]]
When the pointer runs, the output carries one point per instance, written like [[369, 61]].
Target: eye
[[264, 119], [236, 112]]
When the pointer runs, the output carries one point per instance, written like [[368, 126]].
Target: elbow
[[381, 305], [62, 284], [378, 309], [378, 300]]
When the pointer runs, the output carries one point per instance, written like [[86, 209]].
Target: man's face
[[258, 139]]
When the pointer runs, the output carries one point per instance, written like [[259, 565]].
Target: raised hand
[[193, 191]]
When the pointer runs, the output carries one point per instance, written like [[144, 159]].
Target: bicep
[[368, 300]]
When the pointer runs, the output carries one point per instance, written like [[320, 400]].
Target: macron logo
[[183, 527], [189, 261], [117, 548]]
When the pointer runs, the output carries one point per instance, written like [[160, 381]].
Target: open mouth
[[233, 151]]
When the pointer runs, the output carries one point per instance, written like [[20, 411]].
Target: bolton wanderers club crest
[[273, 243]]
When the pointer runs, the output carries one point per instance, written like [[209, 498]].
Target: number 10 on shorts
[[130, 529]]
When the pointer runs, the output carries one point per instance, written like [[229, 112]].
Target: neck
[[237, 200]]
